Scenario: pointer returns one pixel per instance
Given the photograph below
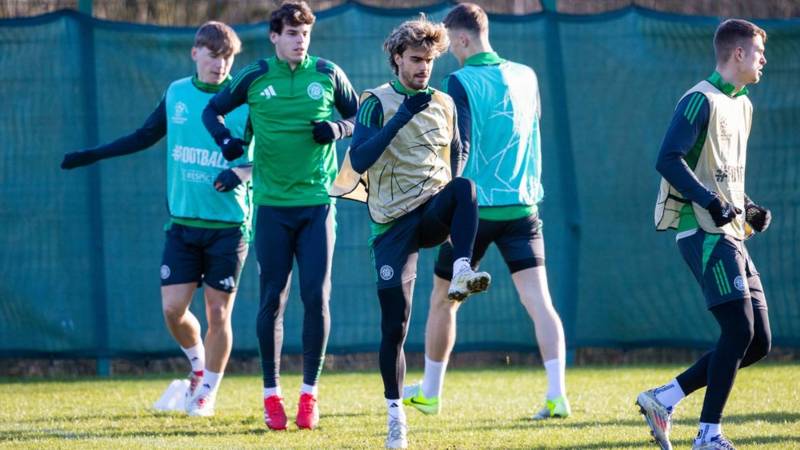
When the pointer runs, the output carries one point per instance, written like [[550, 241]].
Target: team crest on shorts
[[386, 273], [314, 90], [165, 272], [738, 282]]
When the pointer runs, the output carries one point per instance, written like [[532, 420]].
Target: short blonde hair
[[419, 33]]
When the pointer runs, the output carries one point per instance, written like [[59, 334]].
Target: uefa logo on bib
[[179, 116], [386, 273], [314, 90]]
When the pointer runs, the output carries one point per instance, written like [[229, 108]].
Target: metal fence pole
[[97, 257]]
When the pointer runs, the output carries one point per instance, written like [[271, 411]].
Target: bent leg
[[735, 319], [182, 324], [219, 336]]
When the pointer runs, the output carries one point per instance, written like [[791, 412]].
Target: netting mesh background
[[81, 249]]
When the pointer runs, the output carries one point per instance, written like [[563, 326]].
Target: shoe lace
[[273, 405], [725, 444], [307, 404], [194, 381], [396, 429]]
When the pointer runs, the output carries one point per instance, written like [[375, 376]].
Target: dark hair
[[420, 33], [731, 34], [292, 13], [219, 38], [469, 17]]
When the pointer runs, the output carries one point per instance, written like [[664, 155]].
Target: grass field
[[485, 408]]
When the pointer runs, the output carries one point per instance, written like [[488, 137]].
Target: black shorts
[[196, 255], [520, 241], [722, 266], [395, 252]]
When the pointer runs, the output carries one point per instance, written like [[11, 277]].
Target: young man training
[[208, 232], [406, 145], [292, 98], [498, 120], [702, 195]]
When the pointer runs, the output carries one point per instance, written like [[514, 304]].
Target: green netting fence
[[81, 249]]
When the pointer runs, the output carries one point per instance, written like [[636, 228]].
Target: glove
[[413, 104], [722, 212], [758, 217], [227, 180], [232, 148], [325, 131], [78, 159]]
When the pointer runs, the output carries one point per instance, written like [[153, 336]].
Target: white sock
[[269, 392], [308, 389], [670, 394], [556, 383], [433, 380], [460, 265], [211, 380], [708, 431], [395, 408], [197, 356]]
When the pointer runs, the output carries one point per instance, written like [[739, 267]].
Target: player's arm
[[153, 129], [371, 136], [456, 90], [687, 131], [345, 100], [225, 101], [463, 119], [229, 179]]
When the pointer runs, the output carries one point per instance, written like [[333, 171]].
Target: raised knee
[[763, 348], [464, 187]]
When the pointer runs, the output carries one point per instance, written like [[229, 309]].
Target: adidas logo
[[268, 92], [228, 283]]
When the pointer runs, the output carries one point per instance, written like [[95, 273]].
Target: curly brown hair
[[419, 33]]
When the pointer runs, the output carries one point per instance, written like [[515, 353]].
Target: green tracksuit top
[[290, 168]]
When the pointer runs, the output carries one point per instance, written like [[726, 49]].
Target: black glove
[[413, 104], [227, 180], [325, 131], [758, 217], [232, 148], [722, 212], [78, 159]]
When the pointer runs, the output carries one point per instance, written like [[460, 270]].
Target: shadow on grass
[[35, 435], [678, 443], [774, 417]]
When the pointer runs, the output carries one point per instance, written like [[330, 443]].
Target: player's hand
[[325, 131], [722, 212], [227, 180], [758, 217], [232, 148], [416, 103], [78, 159]]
